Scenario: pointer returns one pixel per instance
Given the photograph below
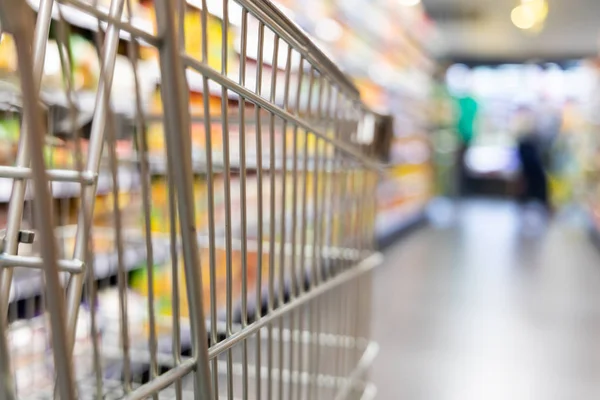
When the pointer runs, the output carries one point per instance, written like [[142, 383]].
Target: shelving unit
[[122, 104], [322, 180], [268, 111], [393, 70]]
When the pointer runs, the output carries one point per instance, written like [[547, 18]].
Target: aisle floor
[[482, 309]]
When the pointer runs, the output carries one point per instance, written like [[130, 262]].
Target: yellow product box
[[193, 38], [8, 54], [160, 221], [163, 282]]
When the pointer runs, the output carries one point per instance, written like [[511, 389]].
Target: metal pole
[[84, 221], [9, 17], [17, 196], [177, 124], [22, 29]]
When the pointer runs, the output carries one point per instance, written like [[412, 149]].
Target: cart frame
[[345, 152]]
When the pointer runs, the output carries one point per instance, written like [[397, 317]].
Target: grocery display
[[392, 68], [406, 183], [444, 139], [586, 123]]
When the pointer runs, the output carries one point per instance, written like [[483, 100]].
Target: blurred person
[[467, 110], [548, 126], [534, 180]]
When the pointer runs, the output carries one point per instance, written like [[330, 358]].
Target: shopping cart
[[231, 260]]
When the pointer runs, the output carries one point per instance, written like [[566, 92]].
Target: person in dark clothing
[[535, 180], [533, 174]]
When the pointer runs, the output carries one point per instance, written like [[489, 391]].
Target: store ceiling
[[481, 31]]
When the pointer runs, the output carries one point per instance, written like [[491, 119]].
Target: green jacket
[[467, 114]]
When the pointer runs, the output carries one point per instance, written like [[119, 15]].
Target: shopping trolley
[[230, 260]]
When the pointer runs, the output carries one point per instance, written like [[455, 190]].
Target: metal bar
[[317, 208], [356, 316], [346, 313], [227, 187], [259, 214], [270, 15], [272, 180], [305, 175], [174, 251], [242, 150], [365, 362], [304, 223], [112, 20], [351, 273], [72, 266], [243, 203], [164, 380], [337, 301], [283, 226], [314, 325], [63, 33], [272, 233], [22, 31], [233, 120], [17, 196], [227, 173], [328, 252], [335, 199], [121, 271], [294, 289], [92, 298], [343, 209], [211, 205], [57, 175], [181, 9], [323, 339], [315, 280], [140, 139], [323, 381], [177, 125], [93, 164]]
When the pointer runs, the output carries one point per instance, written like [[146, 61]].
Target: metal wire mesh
[[198, 221]]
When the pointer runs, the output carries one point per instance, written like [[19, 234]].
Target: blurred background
[[489, 209]]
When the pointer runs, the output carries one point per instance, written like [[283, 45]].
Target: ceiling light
[[530, 15], [409, 3], [539, 8], [523, 17]]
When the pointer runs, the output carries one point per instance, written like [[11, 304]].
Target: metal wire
[[248, 287]]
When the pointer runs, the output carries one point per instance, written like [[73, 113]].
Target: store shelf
[[28, 283], [196, 84], [158, 167], [85, 20], [391, 221], [85, 101]]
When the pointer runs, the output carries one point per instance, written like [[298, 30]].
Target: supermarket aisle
[[477, 311]]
